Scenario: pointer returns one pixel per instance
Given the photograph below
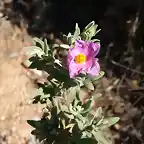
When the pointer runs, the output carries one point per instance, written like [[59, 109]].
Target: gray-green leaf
[[102, 137], [33, 50], [27, 63], [46, 47], [89, 25], [99, 112], [89, 84], [95, 40], [111, 121], [70, 116], [65, 46], [39, 41], [101, 74], [77, 32]]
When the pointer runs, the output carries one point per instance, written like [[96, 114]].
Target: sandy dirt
[[16, 89]]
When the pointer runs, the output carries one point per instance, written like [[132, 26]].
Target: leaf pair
[[40, 48], [89, 81], [89, 32]]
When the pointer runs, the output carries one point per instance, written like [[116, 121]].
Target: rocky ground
[[16, 89]]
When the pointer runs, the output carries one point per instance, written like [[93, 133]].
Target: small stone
[[2, 118], [117, 126], [1, 15], [13, 129]]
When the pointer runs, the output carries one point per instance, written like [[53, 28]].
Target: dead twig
[[139, 98], [127, 68]]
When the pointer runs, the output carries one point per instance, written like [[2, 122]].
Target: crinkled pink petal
[[87, 64], [85, 48], [96, 47], [80, 47], [88, 47], [74, 69], [69, 58], [95, 69], [80, 43], [75, 51], [90, 54]]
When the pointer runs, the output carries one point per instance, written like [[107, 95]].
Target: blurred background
[[121, 56]]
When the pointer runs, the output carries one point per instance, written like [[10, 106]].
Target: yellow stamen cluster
[[80, 58]]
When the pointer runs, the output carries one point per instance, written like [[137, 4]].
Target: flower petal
[[75, 51], [80, 43], [87, 64], [85, 48], [96, 47], [74, 69], [95, 69]]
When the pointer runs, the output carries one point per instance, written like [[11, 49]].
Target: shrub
[[68, 118]]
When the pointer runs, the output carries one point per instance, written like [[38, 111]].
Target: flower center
[[80, 58]]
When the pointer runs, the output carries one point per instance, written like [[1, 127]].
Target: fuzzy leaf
[[70, 116], [96, 96], [101, 137], [99, 112], [79, 81], [27, 63], [84, 36], [101, 74], [46, 47], [64, 108], [98, 31], [89, 84], [35, 124], [71, 93], [92, 32], [89, 31], [34, 50], [70, 127], [70, 39], [107, 122], [77, 32], [44, 96], [65, 46], [87, 106], [89, 26], [80, 125], [95, 40], [39, 41], [111, 121]]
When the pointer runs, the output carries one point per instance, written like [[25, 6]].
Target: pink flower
[[81, 58]]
